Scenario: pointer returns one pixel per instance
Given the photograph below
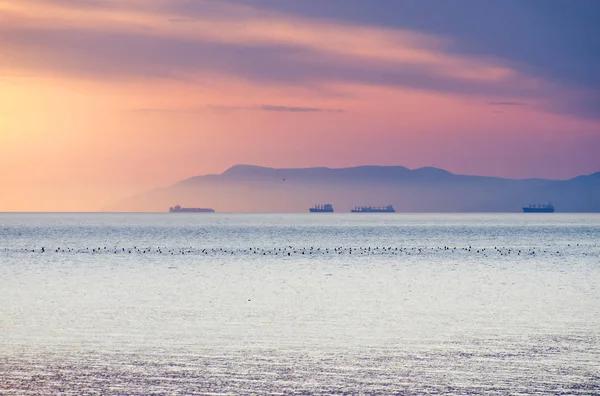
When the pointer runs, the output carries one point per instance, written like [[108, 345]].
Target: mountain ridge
[[253, 188], [244, 169]]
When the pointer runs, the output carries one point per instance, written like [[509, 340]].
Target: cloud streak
[[109, 54], [293, 109], [507, 103], [111, 40], [229, 109]]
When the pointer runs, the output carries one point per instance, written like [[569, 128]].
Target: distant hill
[[248, 188]]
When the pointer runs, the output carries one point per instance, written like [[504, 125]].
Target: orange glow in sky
[[101, 102]]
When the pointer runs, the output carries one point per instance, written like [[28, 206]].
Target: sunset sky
[[102, 99]]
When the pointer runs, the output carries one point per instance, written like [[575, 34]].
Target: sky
[[103, 99]]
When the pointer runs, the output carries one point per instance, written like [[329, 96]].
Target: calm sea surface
[[299, 304]]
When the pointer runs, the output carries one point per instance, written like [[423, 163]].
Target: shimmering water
[[299, 304]]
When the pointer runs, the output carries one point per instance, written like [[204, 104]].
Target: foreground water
[[305, 304]]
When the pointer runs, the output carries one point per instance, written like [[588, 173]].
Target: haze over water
[[299, 304]]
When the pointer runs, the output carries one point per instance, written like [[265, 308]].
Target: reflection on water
[[141, 304]]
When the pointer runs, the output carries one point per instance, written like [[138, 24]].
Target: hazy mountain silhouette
[[248, 188]]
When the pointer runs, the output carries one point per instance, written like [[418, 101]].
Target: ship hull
[[194, 210], [324, 208], [372, 211], [538, 210]]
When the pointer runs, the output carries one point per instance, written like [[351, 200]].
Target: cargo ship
[[179, 209], [327, 208], [542, 208], [373, 209]]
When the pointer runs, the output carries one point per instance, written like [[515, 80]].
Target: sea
[[299, 304]]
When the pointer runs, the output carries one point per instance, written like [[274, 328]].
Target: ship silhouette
[[373, 209], [542, 208], [179, 209], [326, 208]]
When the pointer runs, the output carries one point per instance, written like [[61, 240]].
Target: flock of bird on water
[[289, 251]]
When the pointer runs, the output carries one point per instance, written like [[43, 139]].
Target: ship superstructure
[[179, 209], [373, 209], [326, 208], [541, 208]]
